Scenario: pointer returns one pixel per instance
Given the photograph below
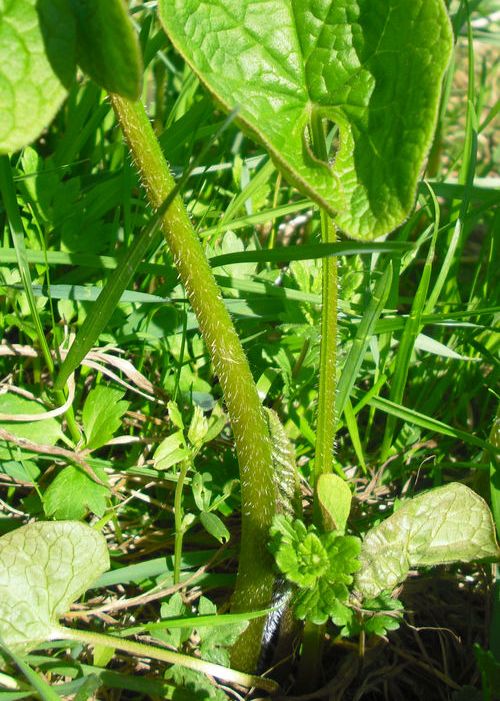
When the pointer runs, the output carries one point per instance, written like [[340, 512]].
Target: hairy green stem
[[157, 653], [325, 431], [326, 421], [255, 574], [178, 517]]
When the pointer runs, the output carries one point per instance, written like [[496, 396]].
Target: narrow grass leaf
[[17, 231], [43, 689], [308, 252], [352, 427], [415, 417], [227, 619], [106, 303], [406, 346], [360, 343]]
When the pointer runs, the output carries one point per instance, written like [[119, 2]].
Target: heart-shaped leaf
[[447, 524], [37, 63], [107, 46], [44, 567], [373, 67]]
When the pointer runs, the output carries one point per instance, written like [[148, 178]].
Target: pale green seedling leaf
[[372, 67], [198, 427], [102, 414], [334, 497], [44, 567], [171, 451], [37, 63], [447, 524], [108, 47], [73, 494], [213, 525]]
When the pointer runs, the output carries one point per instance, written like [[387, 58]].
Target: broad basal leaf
[[373, 67], [107, 46], [447, 524], [37, 63], [44, 567]]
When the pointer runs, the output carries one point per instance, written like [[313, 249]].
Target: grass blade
[[44, 690], [308, 252], [107, 301], [434, 425], [16, 227], [410, 333], [359, 345]]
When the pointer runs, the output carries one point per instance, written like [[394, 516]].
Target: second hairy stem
[[325, 432], [255, 574], [310, 663]]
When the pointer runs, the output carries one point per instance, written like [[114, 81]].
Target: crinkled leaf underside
[[44, 567], [447, 524], [373, 67]]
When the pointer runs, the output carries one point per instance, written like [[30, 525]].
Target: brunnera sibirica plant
[[344, 98]]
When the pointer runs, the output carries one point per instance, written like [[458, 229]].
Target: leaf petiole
[[142, 650]]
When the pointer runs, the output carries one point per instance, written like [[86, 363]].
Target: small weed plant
[[261, 104]]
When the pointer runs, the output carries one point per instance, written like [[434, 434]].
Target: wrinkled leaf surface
[[44, 567], [372, 67], [447, 524]]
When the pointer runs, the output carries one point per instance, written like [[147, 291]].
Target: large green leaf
[[447, 524], [373, 67], [37, 63], [44, 567], [108, 47]]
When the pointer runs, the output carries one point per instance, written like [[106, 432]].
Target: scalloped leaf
[[44, 567], [37, 63], [447, 524], [373, 67]]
